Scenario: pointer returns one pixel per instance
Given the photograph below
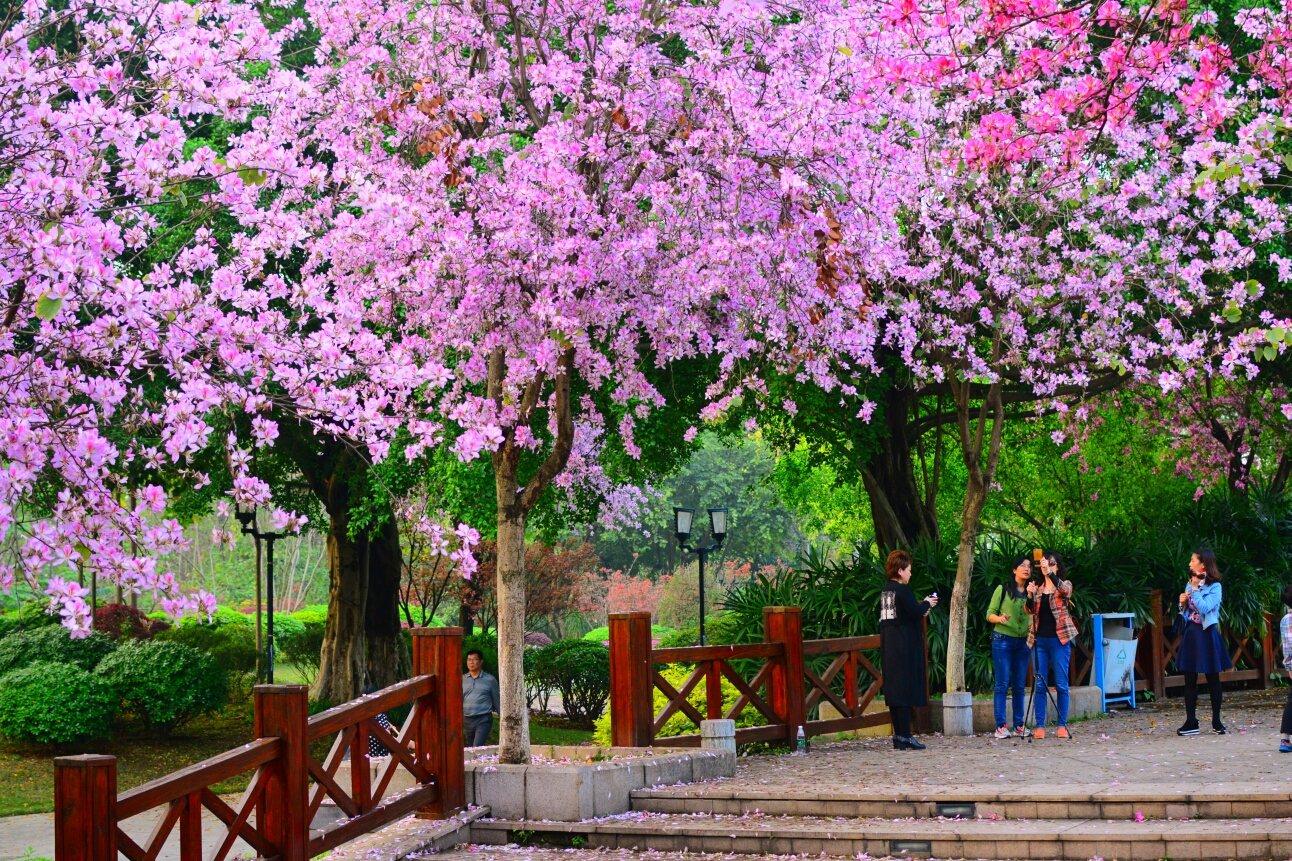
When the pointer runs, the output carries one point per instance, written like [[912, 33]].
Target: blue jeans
[[1009, 658], [1051, 653]]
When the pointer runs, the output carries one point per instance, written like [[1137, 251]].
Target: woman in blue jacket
[[1201, 648]]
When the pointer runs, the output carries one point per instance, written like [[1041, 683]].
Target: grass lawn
[[27, 771]]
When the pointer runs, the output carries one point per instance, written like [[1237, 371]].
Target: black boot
[[912, 744], [1190, 727]]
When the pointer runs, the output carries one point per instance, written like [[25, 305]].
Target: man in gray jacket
[[479, 701]]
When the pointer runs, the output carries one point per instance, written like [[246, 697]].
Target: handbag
[[1178, 626]]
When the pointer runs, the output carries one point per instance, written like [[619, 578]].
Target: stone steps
[[1083, 839], [984, 802]]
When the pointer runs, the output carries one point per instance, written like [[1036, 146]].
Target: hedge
[[53, 644], [54, 703], [165, 683]]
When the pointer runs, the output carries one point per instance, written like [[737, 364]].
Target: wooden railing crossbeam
[[821, 685], [323, 776], [756, 684], [748, 695], [128, 847], [677, 699], [821, 689], [378, 817], [337, 718], [162, 828], [238, 820], [399, 755], [209, 772], [840, 644], [696, 654]]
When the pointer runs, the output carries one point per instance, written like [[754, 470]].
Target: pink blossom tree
[[1046, 201], [545, 196]]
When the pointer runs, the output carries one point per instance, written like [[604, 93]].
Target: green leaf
[[845, 50], [1253, 287], [1287, 161], [1271, 353], [47, 306], [1275, 335], [251, 176]]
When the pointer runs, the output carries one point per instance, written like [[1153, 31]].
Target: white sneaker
[[1002, 733], [1020, 732]]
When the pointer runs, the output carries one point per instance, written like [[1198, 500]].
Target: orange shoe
[[1040, 732], [1061, 732]]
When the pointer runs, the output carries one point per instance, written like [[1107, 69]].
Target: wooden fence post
[[785, 682], [1267, 651], [282, 712], [1157, 646], [632, 690], [438, 652], [85, 808]]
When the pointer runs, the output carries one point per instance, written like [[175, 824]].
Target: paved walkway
[[1116, 751]]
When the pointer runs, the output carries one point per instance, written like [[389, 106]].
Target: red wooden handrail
[[275, 811], [840, 644], [347, 714], [208, 772], [695, 654], [792, 687]]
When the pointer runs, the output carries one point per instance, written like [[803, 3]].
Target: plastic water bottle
[[801, 747]]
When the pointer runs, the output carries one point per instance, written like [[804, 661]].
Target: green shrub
[[300, 643], [51, 703], [165, 683], [54, 644], [28, 617], [488, 646], [580, 670], [602, 634], [313, 613], [231, 646]]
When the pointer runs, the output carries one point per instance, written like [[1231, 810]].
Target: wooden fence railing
[[784, 679], [287, 784], [1257, 654]]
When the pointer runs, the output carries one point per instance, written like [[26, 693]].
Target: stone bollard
[[957, 713], [718, 733]]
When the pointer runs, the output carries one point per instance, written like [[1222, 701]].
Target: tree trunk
[[897, 508], [981, 475], [1284, 472], [958, 616], [515, 501], [513, 728], [388, 660], [342, 660]]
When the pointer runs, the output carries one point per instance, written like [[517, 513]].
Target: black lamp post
[[683, 518], [246, 515]]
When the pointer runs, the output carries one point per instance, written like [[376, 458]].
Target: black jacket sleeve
[[912, 609]]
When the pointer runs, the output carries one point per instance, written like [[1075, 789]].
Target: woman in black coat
[[901, 648]]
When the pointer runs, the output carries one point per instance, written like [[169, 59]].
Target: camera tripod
[[1030, 704]]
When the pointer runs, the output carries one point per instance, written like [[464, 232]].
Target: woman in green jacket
[[1009, 651]]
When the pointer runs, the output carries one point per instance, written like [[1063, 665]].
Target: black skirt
[[901, 648], [1202, 650]]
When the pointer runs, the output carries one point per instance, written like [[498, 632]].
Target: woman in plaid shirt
[[1052, 631]]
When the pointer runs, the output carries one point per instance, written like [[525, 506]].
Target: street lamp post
[[246, 515], [683, 519]]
